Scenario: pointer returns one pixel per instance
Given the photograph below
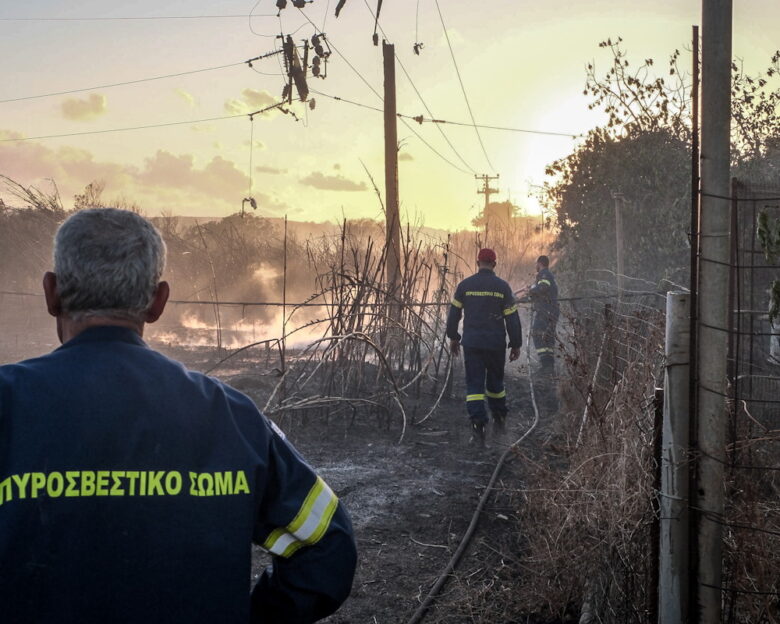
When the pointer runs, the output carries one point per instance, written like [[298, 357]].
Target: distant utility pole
[[713, 311], [486, 190], [392, 218], [618, 199]]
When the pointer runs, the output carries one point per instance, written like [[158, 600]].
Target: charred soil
[[411, 502]]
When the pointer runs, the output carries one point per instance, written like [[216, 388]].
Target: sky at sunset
[[522, 65]]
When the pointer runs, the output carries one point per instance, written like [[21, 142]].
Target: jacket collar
[[105, 333]]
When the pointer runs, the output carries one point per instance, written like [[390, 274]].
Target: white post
[[712, 342], [673, 547]]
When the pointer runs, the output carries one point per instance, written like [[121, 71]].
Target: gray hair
[[108, 262]]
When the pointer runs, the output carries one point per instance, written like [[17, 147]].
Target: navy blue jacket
[[131, 490], [490, 313], [544, 295]]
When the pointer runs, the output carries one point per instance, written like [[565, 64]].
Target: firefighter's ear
[[53, 303], [158, 303]]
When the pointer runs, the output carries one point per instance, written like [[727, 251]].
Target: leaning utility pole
[[713, 312], [392, 218]]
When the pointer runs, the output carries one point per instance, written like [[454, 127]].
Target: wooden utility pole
[[693, 397], [392, 218], [618, 199], [486, 190], [713, 312]]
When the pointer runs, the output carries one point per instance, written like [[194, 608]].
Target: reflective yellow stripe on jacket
[[309, 524]]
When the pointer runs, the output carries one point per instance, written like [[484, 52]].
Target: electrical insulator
[[299, 4], [312, 103], [281, 4], [315, 66]]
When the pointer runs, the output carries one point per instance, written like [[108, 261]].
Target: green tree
[[642, 153]]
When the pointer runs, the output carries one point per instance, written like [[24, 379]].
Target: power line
[[403, 118], [420, 119], [251, 15], [368, 84], [120, 84], [125, 18], [462, 88], [348, 101], [161, 125], [419, 95]]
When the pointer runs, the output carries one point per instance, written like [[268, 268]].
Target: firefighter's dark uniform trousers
[[544, 295], [131, 490], [490, 314]]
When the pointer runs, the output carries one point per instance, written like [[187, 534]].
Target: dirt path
[[410, 503]]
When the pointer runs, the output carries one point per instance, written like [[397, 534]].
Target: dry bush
[[752, 523], [583, 503]]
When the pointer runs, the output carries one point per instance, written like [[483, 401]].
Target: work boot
[[499, 422], [477, 434]]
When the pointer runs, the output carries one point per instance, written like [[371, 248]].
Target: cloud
[[186, 96], [405, 156], [219, 178], [256, 144], [165, 180], [83, 110], [267, 169], [324, 182], [250, 101]]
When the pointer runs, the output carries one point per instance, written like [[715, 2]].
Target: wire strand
[[375, 92], [463, 88], [421, 119], [109, 130], [120, 84], [125, 18], [251, 150], [419, 95]]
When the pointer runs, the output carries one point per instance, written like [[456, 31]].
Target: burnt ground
[[410, 503]]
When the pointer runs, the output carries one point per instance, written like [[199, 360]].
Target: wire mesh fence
[[751, 583], [588, 504]]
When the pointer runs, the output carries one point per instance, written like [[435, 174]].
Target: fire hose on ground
[[419, 614]]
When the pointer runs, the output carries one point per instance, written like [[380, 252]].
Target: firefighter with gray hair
[[132, 489]]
